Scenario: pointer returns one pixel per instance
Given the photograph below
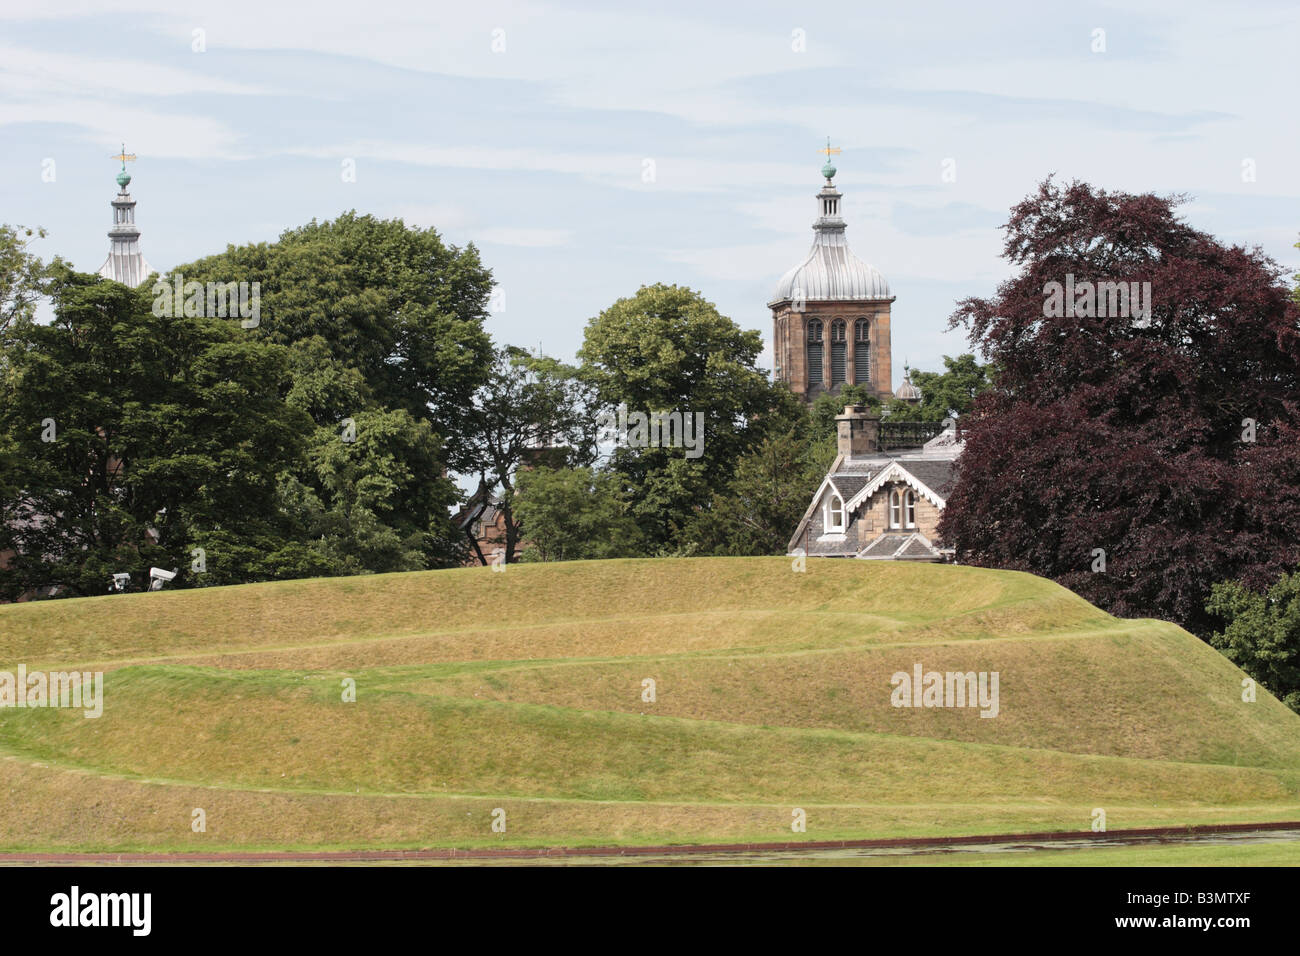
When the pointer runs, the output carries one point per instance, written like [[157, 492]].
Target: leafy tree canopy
[[947, 394], [667, 349], [392, 302], [758, 510], [21, 274], [1136, 455], [532, 410], [574, 514], [134, 437], [1262, 633]]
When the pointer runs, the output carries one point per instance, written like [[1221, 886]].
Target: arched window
[[837, 352], [861, 352], [902, 508], [814, 351], [835, 514]]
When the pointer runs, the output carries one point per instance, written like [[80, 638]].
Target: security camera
[[158, 577], [121, 581]]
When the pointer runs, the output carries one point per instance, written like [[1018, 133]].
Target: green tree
[[667, 349], [532, 410], [372, 496], [574, 514], [21, 274], [391, 301], [1262, 633], [759, 508], [825, 407], [138, 438], [947, 394], [385, 327]]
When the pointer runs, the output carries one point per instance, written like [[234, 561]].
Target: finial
[[124, 178], [829, 169]]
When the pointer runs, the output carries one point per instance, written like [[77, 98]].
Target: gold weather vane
[[829, 149], [126, 157]]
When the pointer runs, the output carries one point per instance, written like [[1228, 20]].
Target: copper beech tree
[[1139, 447]]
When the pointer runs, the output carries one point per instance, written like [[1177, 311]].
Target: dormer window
[[835, 514]]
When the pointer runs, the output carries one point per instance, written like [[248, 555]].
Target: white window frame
[[829, 522], [909, 508], [895, 509]]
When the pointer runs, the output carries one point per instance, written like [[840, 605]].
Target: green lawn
[[523, 690]]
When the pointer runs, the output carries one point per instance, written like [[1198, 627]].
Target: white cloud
[[44, 74], [146, 131]]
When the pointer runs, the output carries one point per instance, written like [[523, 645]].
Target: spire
[[125, 262]]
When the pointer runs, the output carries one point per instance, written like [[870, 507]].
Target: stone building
[[484, 524], [884, 493], [830, 313]]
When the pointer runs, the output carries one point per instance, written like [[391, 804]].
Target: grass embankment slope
[[523, 690]]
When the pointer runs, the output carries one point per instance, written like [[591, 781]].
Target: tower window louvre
[[838, 353], [862, 352], [814, 352]]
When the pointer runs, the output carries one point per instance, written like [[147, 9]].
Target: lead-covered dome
[[830, 272]]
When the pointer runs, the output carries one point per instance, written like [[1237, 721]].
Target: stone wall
[[791, 356]]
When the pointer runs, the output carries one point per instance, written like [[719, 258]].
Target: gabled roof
[[827, 482], [846, 486], [481, 504], [936, 471]]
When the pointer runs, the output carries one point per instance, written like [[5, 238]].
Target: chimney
[[858, 432]]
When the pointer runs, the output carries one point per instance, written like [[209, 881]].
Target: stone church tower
[[830, 313]]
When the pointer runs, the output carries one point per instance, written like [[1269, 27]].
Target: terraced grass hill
[[523, 691]]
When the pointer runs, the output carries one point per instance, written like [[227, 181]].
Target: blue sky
[[526, 128]]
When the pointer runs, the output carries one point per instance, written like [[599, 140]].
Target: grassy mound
[[523, 691]]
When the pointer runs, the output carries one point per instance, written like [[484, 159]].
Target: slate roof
[[830, 548], [849, 485], [886, 546], [935, 473], [900, 546]]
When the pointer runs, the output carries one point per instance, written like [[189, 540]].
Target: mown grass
[[522, 691], [1282, 853]]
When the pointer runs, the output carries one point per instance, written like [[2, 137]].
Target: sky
[[587, 149]]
